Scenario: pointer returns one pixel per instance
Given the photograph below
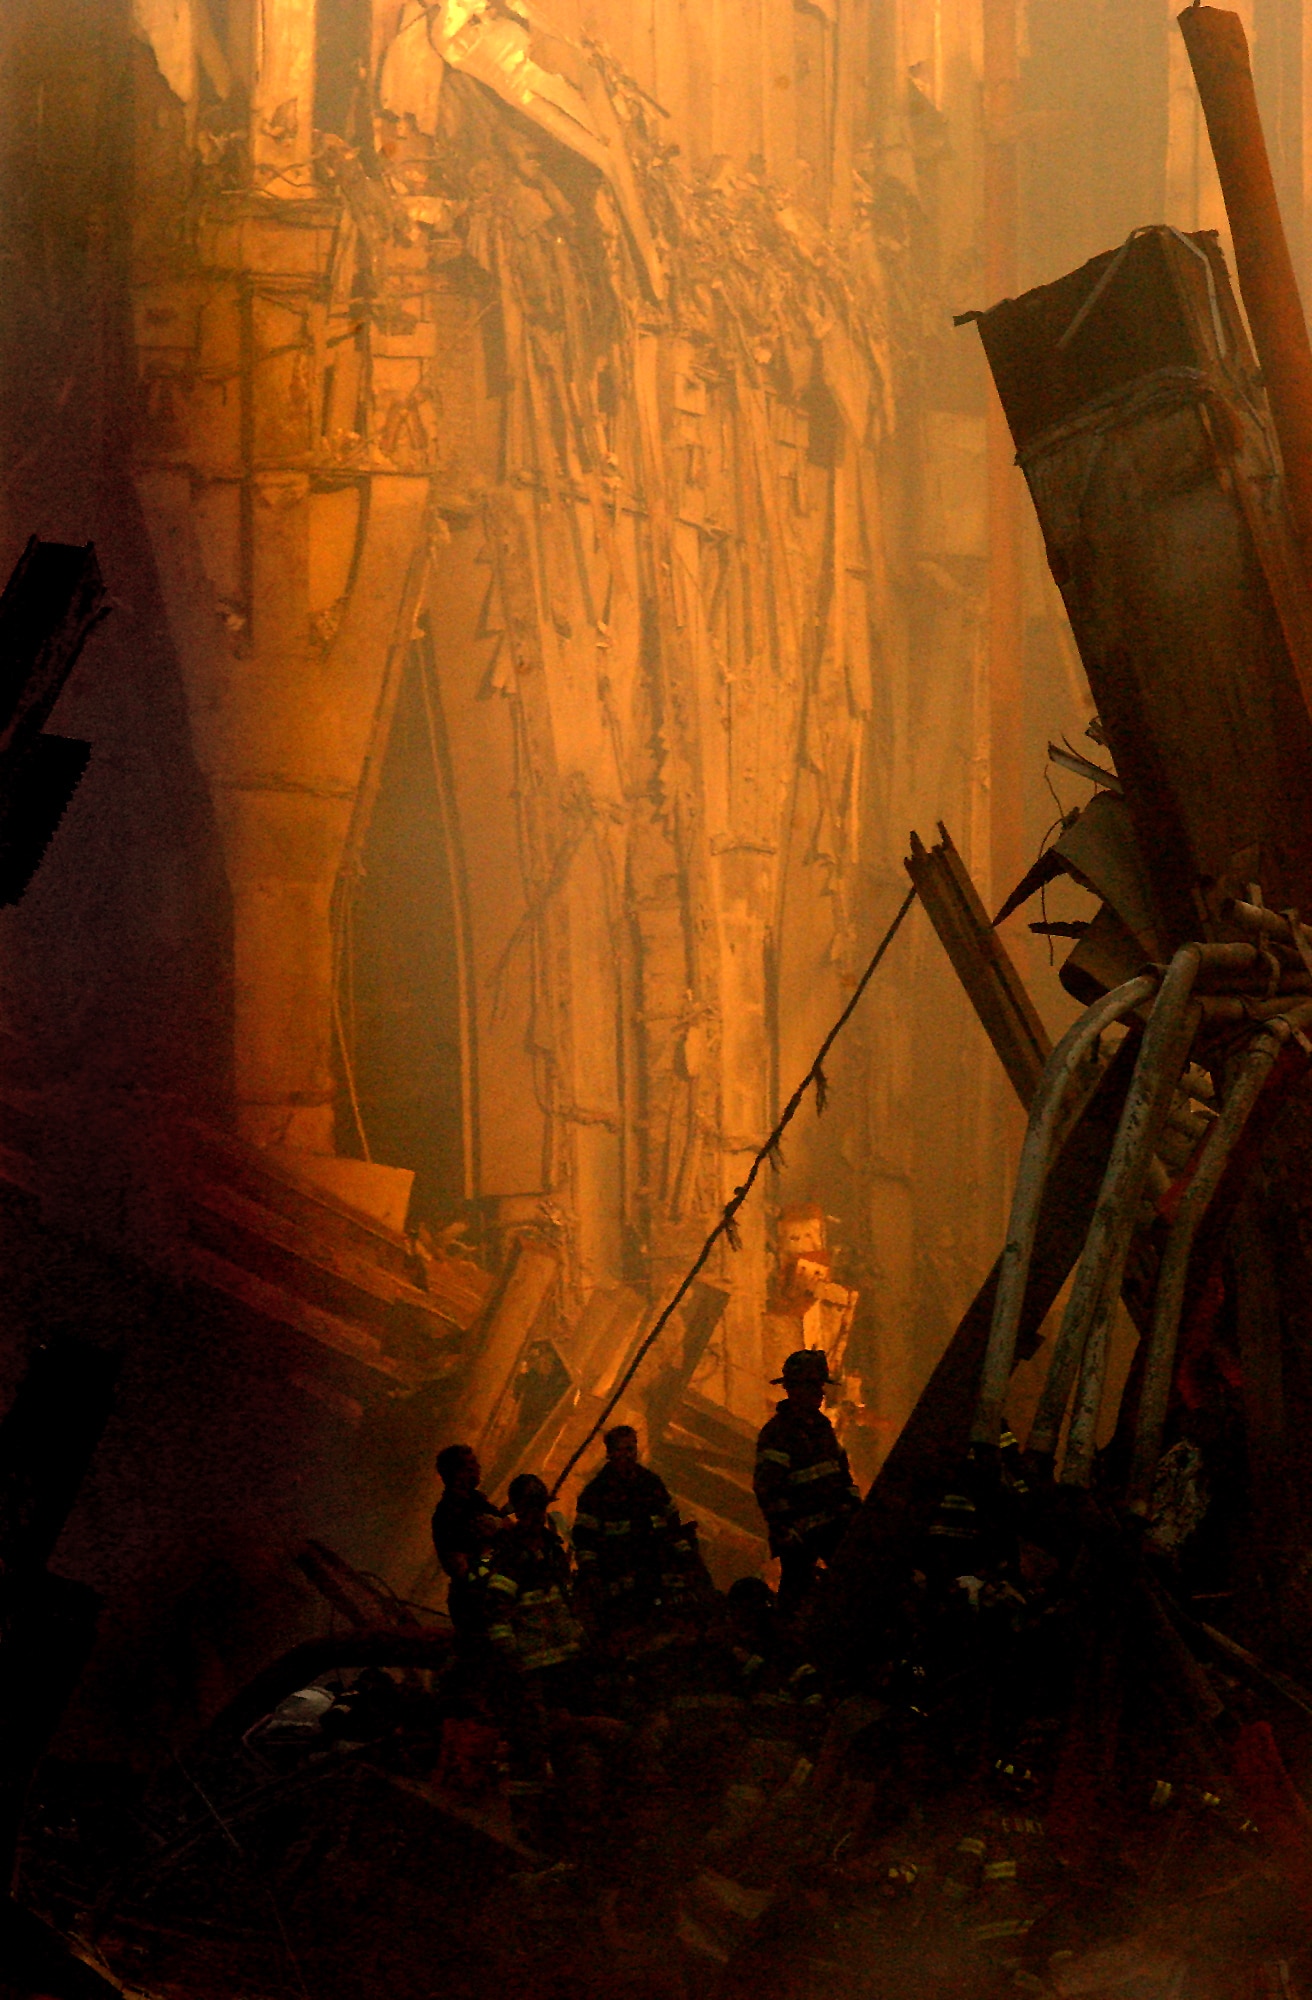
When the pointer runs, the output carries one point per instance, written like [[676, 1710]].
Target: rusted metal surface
[[1246, 1081], [1082, 1342], [1051, 1103], [1135, 407], [930, 1449], [981, 961], [1218, 53]]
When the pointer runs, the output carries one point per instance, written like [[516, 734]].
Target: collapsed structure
[[1167, 480], [489, 408], [539, 635]]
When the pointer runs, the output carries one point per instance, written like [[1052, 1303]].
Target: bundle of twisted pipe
[[1260, 985]]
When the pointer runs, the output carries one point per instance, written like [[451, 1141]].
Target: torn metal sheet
[[537, 72], [1105, 956], [1083, 767], [1100, 852], [169, 29], [410, 82], [1134, 402]]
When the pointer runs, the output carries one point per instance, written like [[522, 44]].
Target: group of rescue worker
[[534, 1616]]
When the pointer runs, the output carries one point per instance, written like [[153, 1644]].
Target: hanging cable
[[727, 1226]]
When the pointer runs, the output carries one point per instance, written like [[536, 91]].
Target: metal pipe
[[1082, 1439], [1252, 917], [1165, 1049], [1236, 958], [1277, 959], [1031, 1179], [1218, 52], [1253, 1070], [1285, 929], [1222, 1007], [1004, 597]]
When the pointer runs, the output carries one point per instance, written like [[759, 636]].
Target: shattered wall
[[578, 525], [680, 565]]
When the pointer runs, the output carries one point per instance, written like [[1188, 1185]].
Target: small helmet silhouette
[[806, 1364]]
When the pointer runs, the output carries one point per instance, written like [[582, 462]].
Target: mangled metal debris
[[1036, 1728], [981, 961]]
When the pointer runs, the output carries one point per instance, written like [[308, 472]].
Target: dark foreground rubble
[[1038, 1783]]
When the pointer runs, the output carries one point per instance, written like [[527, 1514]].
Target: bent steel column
[[1218, 51], [1031, 1179], [1255, 1067], [1165, 1046]]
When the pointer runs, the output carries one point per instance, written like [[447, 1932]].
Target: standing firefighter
[[803, 1483], [531, 1621], [628, 1539], [465, 1529]]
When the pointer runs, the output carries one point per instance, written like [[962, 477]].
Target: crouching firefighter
[[803, 1483]]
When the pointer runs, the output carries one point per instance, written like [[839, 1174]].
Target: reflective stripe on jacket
[[625, 1531], [802, 1481], [528, 1599]]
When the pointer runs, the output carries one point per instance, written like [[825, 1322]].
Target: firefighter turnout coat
[[803, 1484]]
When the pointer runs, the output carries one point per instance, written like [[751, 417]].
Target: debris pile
[[991, 1804], [1040, 1723]]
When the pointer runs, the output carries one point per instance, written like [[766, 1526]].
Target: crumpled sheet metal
[[1098, 849], [534, 70], [411, 78]]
